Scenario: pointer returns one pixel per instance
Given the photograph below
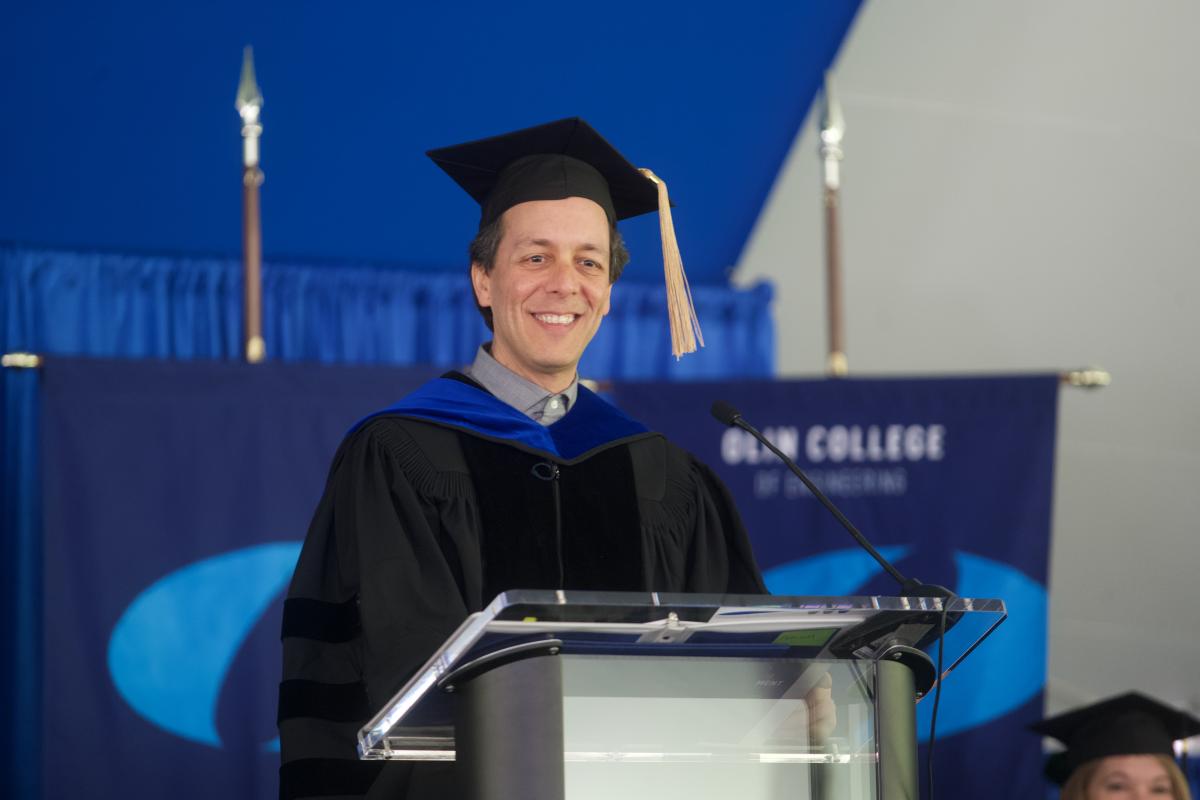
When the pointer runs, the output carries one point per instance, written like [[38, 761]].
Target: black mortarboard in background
[[568, 158], [1130, 724]]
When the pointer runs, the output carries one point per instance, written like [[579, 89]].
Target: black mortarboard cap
[[567, 158], [1130, 724], [553, 161]]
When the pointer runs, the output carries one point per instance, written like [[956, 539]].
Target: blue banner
[[950, 478], [176, 497]]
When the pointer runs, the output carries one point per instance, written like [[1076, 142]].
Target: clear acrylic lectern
[[549, 695]]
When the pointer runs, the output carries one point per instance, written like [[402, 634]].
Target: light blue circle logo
[[170, 651], [1007, 669]]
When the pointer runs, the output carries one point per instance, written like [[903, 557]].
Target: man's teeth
[[556, 319]]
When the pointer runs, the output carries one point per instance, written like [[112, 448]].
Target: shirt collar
[[514, 390]]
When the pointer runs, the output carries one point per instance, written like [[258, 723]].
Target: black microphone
[[909, 587], [725, 413]]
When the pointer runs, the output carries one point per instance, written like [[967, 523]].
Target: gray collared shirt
[[525, 396]]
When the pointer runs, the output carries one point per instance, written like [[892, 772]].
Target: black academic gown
[[438, 504]]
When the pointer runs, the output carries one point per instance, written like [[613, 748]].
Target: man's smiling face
[[548, 288]]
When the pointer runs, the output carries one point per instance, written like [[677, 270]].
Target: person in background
[[1122, 748]]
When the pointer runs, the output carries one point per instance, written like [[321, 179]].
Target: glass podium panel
[[753, 657], [717, 727]]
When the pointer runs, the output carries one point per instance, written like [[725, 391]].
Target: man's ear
[[481, 281]]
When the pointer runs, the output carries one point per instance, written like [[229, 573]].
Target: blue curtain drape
[[55, 302], [20, 583], [112, 305]]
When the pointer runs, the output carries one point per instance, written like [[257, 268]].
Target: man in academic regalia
[[506, 475]]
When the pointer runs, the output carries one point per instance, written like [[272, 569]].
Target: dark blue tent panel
[[125, 136]]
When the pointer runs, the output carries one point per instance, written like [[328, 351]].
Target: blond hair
[[1076, 786]]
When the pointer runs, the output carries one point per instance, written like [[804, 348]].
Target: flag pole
[[249, 105], [832, 129]]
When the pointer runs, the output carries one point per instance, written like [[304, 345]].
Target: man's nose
[[563, 277]]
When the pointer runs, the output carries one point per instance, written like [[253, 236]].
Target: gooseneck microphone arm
[[728, 415]]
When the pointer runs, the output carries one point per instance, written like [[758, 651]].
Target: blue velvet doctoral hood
[[590, 424]]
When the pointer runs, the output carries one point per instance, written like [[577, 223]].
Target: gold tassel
[[681, 311]]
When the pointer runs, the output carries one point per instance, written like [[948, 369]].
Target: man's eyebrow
[[588, 246]]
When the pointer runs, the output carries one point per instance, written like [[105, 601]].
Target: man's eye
[[587, 262], [536, 259]]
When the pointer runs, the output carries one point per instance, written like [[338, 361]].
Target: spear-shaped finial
[[249, 104], [248, 93], [833, 126]]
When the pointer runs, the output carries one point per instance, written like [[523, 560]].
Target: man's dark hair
[[485, 244]]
